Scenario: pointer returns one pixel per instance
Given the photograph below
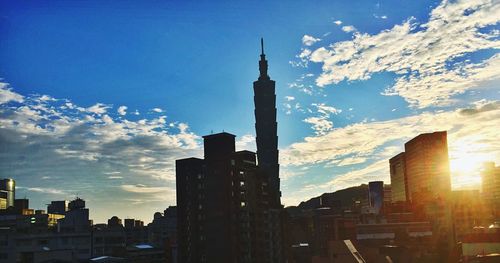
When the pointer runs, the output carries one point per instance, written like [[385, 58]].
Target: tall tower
[[266, 128]]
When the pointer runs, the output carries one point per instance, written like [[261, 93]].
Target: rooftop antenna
[[262, 45]]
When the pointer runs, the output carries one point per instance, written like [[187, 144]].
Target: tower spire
[[262, 62], [262, 45]]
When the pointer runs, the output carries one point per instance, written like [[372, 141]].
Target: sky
[[98, 100]]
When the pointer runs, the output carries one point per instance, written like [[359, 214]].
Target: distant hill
[[343, 198]]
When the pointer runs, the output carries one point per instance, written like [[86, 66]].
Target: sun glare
[[466, 161]]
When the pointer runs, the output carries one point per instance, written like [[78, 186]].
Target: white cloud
[[122, 110], [308, 40], [472, 137], [158, 110], [98, 108], [44, 190], [428, 59], [89, 147], [7, 95], [322, 124], [337, 22], [348, 29], [246, 142], [289, 98]]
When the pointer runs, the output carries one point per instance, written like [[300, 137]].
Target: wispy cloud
[[308, 40], [472, 135], [122, 110], [348, 29], [428, 59], [7, 95], [321, 123], [85, 147]]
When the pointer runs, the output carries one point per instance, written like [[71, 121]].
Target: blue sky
[[99, 99]]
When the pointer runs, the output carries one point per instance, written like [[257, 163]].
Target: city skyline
[[330, 136]]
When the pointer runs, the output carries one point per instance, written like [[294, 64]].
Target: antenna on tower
[[262, 45]]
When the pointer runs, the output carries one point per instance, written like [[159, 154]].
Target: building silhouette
[[266, 130], [266, 127], [58, 207], [228, 207], [218, 204], [425, 170]]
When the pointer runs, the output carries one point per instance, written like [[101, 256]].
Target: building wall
[[427, 167], [398, 178]]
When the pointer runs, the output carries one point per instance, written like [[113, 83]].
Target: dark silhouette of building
[[21, 205], [162, 232], [425, 169], [115, 221], [58, 207], [398, 178], [229, 209], [76, 218], [220, 202], [266, 129], [8, 187]]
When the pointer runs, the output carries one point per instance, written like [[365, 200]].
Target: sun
[[466, 161]]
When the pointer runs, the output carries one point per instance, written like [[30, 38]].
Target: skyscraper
[[427, 167], [228, 207], [428, 182], [266, 130], [266, 127], [398, 178]]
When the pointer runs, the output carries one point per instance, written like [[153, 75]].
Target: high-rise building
[[266, 130], [8, 186], [220, 203], [228, 207], [491, 187], [427, 167], [428, 182], [266, 127], [398, 178]]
